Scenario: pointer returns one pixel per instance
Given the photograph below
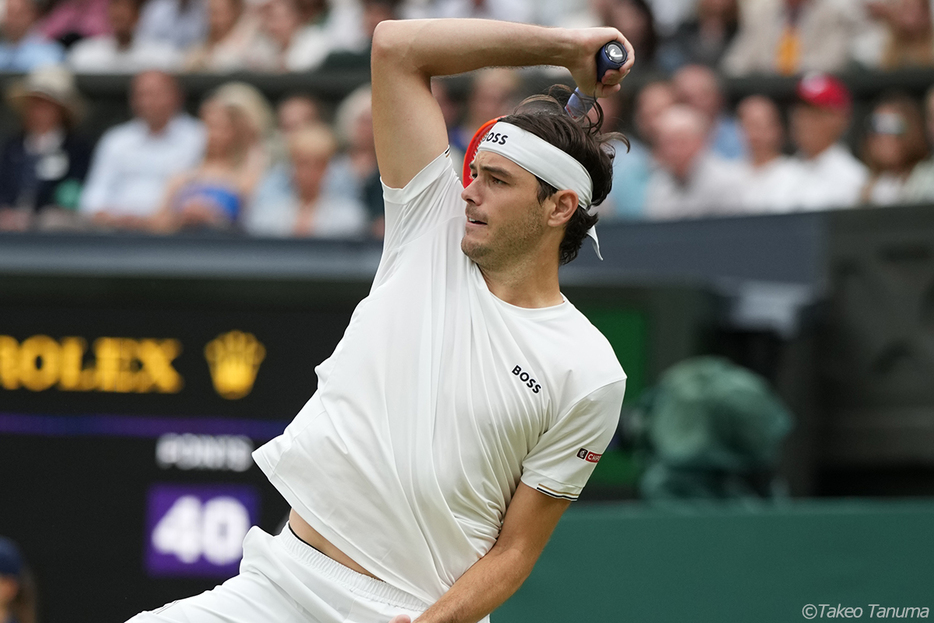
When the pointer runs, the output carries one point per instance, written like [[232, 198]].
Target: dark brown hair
[[545, 117]]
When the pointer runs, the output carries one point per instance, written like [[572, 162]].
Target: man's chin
[[472, 249]]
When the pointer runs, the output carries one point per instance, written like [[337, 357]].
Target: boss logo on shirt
[[495, 137], [587, 455], [526, 378]]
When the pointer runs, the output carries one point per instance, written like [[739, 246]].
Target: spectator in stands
[[635, 18], [703, 39], [286, 43], [339, 21], [632, 170], [353, 172], [182, 23], [771, 172], [296, 111], [504, 10], [909, 34], [72, 20], [17, 590], [291, 200], [690, 181], [43, 166], [231, 42], [292, 114], [212, 196], [122, 51], [358, 57], [699, 87], [827, 175], [450, 109], [893, 146], [134, 161], [22, 46], [670, 14], [493, 93], [653, 100], [920, 185], [793, 36]]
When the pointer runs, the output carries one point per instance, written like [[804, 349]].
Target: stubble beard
[[510, 244]]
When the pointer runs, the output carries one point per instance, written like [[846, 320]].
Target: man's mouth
[[474, 221]]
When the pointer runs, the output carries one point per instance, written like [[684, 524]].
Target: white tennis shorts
[[285, 580]]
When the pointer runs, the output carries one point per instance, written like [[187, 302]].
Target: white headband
[[543, 160]]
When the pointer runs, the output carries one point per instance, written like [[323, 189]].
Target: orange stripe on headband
[[473, 147]]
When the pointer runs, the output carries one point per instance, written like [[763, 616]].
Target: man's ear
[[564, 204]]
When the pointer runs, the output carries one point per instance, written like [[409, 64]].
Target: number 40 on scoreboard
[[198, 530]]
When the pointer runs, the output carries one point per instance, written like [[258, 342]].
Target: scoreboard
[[128, 414]]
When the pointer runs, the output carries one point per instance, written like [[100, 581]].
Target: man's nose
[[469, 194]]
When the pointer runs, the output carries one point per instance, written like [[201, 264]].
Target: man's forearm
[[452, 46], [483, 588]]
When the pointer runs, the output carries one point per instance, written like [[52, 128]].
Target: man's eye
[[496, 180]]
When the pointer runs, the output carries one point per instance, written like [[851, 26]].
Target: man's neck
[[530, 284], [821, 153], [158, 127], [763, 158], [124, 40]]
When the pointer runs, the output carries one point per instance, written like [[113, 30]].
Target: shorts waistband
[[371, 588]]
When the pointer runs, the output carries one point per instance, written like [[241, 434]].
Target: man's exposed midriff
[[312, 537]]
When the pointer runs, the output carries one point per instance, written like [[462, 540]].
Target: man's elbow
[[387, 40], [394, 48]]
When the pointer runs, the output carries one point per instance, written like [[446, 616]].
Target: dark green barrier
[[731, 565]]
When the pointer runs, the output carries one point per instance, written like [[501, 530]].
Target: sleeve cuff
[[432, 171], [550, 487]]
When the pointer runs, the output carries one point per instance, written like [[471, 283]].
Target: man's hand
[[402, 618], [583, 65]]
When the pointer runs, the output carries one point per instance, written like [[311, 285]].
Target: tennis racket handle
[[611, 56]]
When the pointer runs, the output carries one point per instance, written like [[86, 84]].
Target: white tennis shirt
[[437, 401]]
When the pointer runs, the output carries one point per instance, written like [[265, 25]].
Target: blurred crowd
[[302, 167], [736, 36]]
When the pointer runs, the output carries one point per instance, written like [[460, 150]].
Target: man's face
[[309, 167], [296, 113], [281, 21], [762, 126], [814, 129], [505, 220], [123, 15], [678, 148], [654, 100], [19, 18], [697, 87], [154, 98], [41, 115]]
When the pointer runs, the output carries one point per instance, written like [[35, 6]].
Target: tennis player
[[468, 401]]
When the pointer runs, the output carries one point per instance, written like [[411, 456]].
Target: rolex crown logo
[[234, 359]]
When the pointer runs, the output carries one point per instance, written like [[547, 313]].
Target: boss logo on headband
[[495, 137]]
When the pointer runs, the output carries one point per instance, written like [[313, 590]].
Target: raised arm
[[407, 123]]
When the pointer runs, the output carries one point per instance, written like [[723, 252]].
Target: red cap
[[824, 91]]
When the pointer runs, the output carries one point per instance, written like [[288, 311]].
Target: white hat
[[53, 83]]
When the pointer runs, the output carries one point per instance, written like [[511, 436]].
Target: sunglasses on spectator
[[888, 123]]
